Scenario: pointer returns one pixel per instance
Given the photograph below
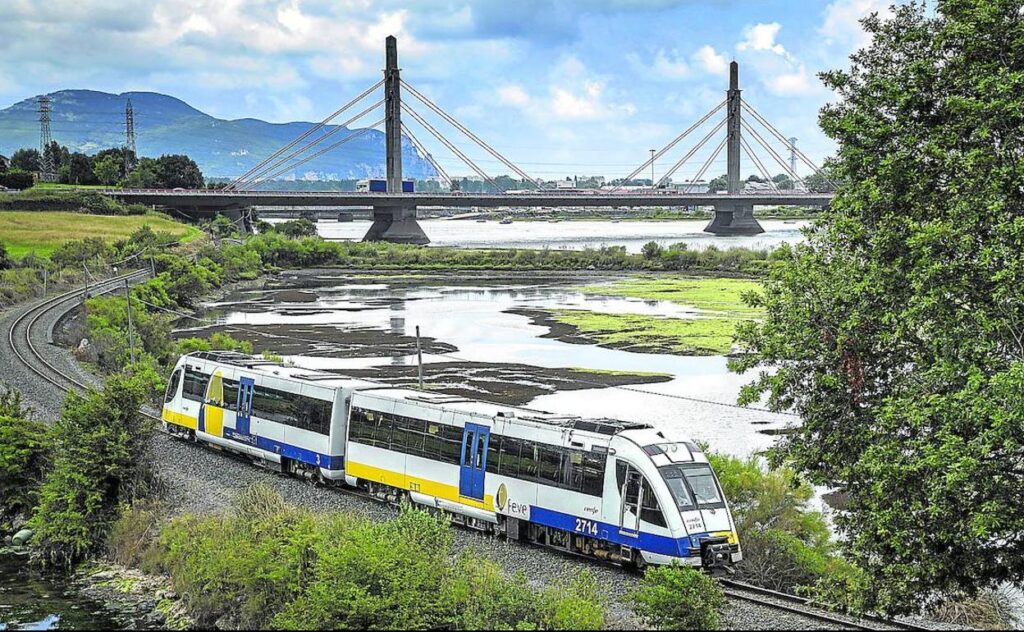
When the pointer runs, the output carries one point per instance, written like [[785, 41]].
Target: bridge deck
[[226, 199]]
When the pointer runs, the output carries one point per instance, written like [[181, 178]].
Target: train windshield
[[693, 486]]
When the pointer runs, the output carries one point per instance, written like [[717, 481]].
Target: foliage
[[22, 456], [786, 545], [652, 250], [16, 179], [98, 463], [132, 536], [288, 568], [218, 341], [295, 228], [176, 170], [27, 160], [6, 263], [895, 331], [993, 609], [678, 598]]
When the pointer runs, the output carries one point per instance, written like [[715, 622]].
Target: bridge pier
[[734, 218], [396, 224]]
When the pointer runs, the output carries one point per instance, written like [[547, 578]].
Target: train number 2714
[[586, 526]]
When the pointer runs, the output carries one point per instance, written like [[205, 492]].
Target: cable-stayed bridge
[[394, 210]]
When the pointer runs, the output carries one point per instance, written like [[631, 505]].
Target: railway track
[[25, 349], [804, 607]]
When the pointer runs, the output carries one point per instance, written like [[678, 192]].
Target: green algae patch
[[652, 334], [717, 296]]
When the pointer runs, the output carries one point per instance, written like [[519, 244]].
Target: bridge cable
[[430, 158], [462, 128], [707, 164], [761, 141], [771, 128], [259, 175], [669, 146], [332, 146], [757, 161], [320, 125], [691, 153], [451, 147]]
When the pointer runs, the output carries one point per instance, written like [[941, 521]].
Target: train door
[[631, 488], [243, 414], [474, 461]]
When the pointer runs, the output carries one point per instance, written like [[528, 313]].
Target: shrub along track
[[203, 480]]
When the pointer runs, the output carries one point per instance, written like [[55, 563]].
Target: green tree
[[22, 456], [4, 164], [26, 160], [6, 263], [896, 330], [783, 182], [98, 462], [108, 170], [80, 169], [145, 175], [721, 183], [678, 598], [176, 170]]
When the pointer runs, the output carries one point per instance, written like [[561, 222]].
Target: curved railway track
[[24, 348]]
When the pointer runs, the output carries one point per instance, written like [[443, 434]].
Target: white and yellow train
[[613, 490]]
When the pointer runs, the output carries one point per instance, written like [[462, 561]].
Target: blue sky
[[561, 88]]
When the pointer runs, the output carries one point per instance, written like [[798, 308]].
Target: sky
[[561, 88]]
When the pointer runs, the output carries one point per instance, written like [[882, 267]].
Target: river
[[576, 235], [30, 600]]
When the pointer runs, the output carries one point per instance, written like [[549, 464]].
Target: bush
[[98, 463], [22, 457], [18, 180], [678, 598], [218, 341], [786, 546], [133, 537], [6, 262], [287, 568]]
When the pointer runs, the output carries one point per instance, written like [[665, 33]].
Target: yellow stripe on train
[[179, 419], [413, 483]]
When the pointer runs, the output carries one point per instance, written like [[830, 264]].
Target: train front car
[[669, 499]]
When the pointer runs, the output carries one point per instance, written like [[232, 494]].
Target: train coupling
[[716, 552]]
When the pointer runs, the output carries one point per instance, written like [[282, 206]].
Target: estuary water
[[472, 315], [577, 235]]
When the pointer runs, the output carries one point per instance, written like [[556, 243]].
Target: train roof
[[456, 403], [443, 401]]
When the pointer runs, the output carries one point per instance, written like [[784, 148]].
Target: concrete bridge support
[[736, 218], [396, 224]]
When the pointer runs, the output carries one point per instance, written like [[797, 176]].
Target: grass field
[[23, 232], [716, 296], [719, 300]]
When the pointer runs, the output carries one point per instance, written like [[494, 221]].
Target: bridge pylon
[[394, 223], [733, 217]]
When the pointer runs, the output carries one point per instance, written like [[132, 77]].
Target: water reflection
[[473, 318]]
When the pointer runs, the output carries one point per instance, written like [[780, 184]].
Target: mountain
[[88, 121]]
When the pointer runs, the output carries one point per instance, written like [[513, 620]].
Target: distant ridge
[[88, 121]]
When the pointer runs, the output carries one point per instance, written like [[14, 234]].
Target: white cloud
[[514, 95], [711, 60], [796, 83], [761, 37], [841, 23], [670, 66]]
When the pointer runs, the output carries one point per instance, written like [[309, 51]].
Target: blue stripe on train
[[653, 543], [295, 453]]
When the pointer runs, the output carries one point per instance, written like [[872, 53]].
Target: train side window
[[172, 386], [510, 457], [529, 461], [432, 441], [549, 462], [414, 430], [493, 453], [381, 431], [195, 385], [650, 510], [592, 479], [451, 444], [230, 394], [572, 470], [361, 427]]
